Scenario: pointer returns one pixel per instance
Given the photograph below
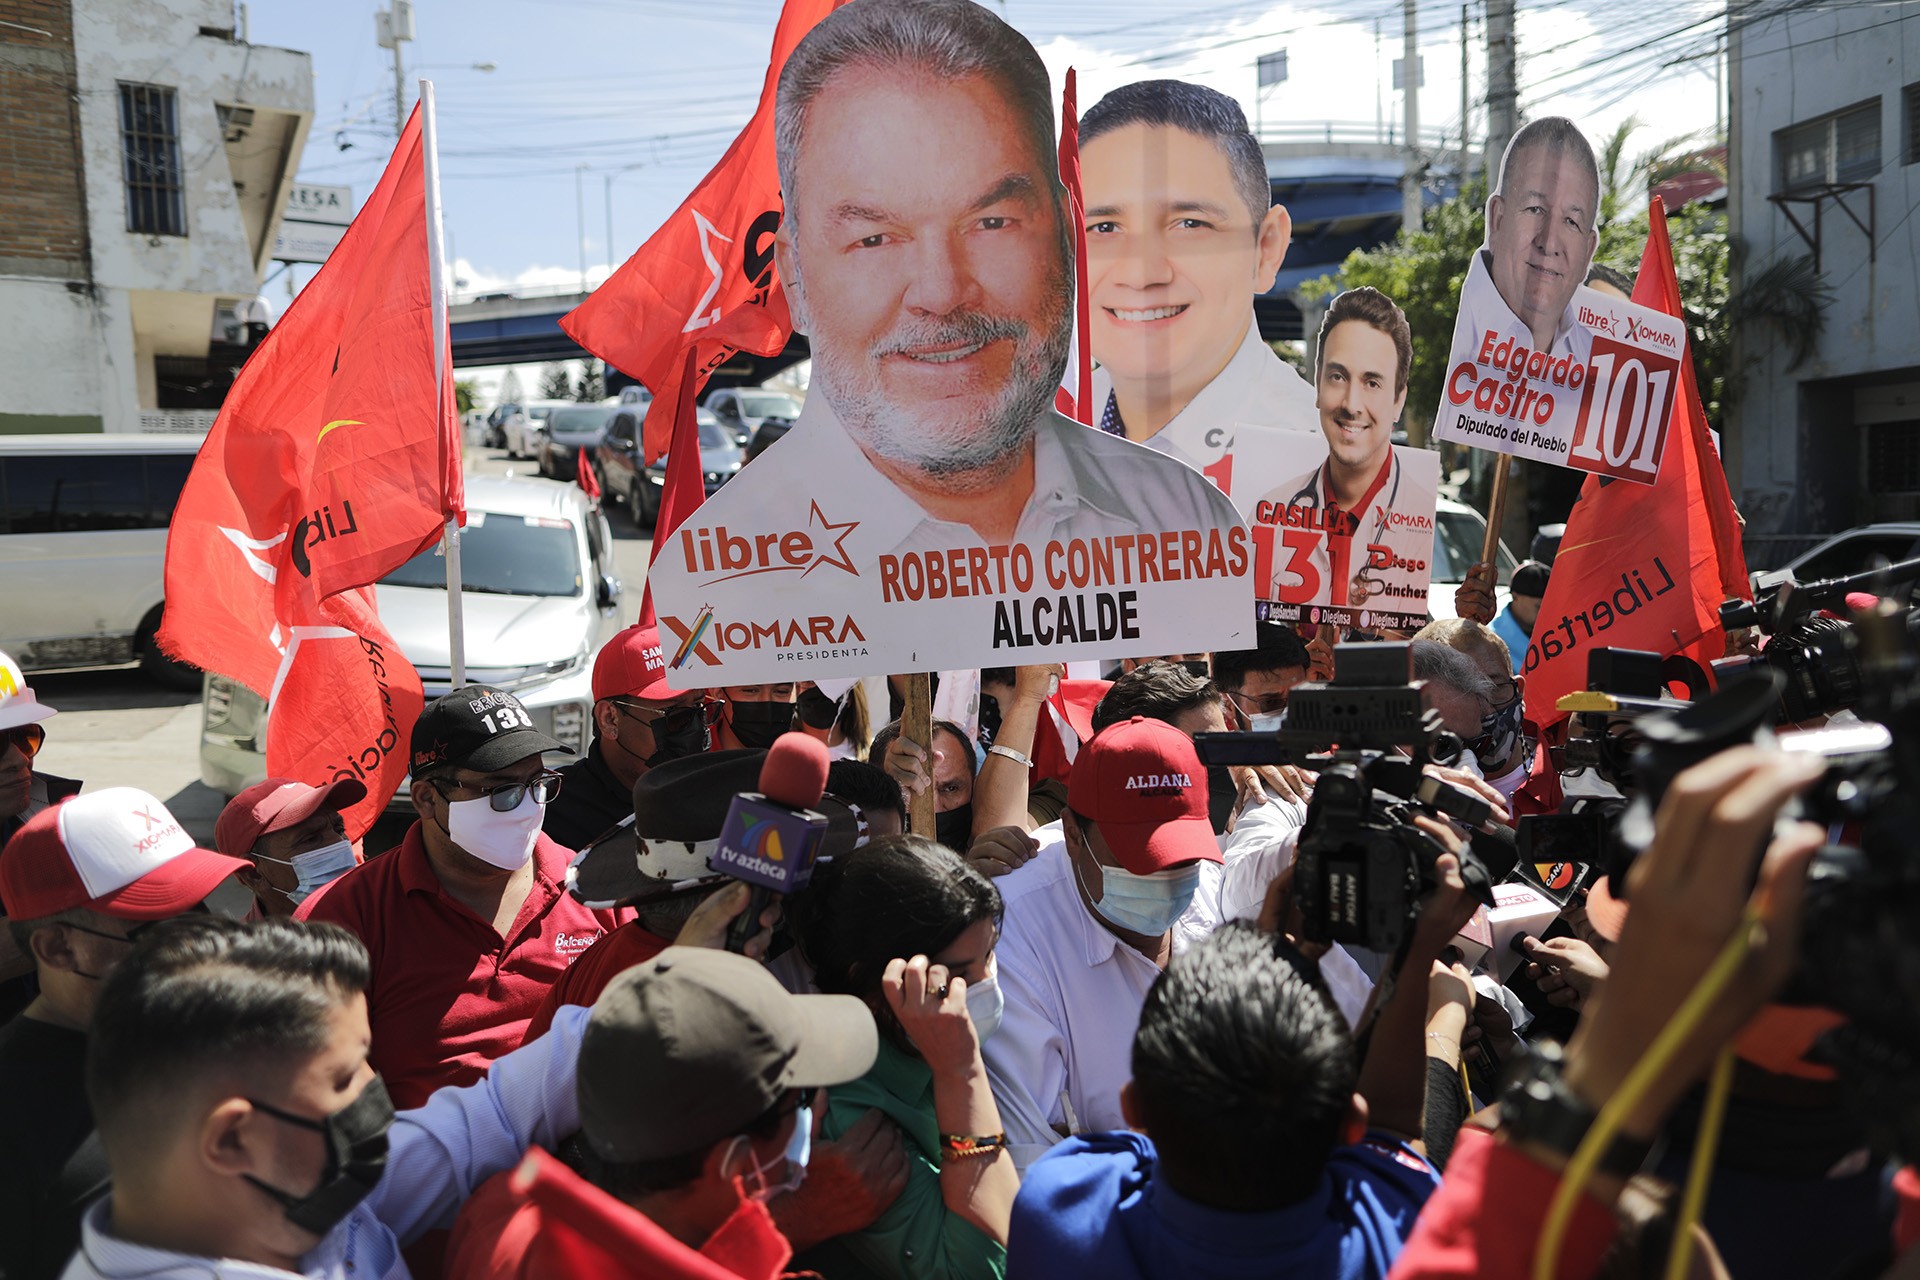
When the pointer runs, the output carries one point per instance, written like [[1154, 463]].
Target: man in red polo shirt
[[466, 923]]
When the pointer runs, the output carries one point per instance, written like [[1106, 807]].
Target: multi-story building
[[1826, 149], [147, 150]]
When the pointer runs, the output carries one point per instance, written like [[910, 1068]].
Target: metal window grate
[[1893, 457], [150, 137], [1837, 148], [1910, 104]]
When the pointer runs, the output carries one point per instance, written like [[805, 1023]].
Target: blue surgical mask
[[986, 1006], [1146, 905], [317, 868]]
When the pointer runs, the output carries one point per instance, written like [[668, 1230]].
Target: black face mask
[[690, 739], [816, 710], [1222, 795], [757, 724], [356, 1137], [1198, 668], [954, 828]]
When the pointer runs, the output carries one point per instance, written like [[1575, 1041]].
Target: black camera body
[[1362, 866]]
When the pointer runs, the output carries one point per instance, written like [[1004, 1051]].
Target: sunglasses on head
[[26, 738]]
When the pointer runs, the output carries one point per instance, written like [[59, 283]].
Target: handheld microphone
[[771, 836]]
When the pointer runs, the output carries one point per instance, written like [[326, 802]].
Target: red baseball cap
[[1142, 782], [116, 851], [275, 805], [631, 666]]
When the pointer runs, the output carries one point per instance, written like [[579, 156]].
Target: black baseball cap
[[694, 1045], [1529, 579], [478, 728]]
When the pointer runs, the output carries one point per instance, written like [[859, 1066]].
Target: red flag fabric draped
[[685, 488], [1643, 566], [585, 474], [334, 460], [707, 274], [1075, 397]]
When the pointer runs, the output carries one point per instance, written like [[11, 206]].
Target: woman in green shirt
[[906, 925]]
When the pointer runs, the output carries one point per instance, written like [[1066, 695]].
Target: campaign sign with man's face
[[929, 508], [1348, 539], [1543, 367]]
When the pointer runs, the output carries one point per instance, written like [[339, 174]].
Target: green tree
[[555, 384], [592, 386], [463, 395]]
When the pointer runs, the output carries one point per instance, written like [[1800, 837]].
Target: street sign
[[1400, 72], [1271, 68], [315, 220]]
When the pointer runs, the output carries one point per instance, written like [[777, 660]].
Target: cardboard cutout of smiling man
[[929, 508], [1182, 233]]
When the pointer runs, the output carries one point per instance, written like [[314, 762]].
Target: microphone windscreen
[[795, 771]]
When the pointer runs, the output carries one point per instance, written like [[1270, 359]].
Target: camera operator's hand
[[1567, 970], [851, 1180], [932, 1009], [1001, 850], [707, 926], [1280, 914], [1449, 905], [1689, 894], [1281, 781], [1474, 599], [1467, 780]]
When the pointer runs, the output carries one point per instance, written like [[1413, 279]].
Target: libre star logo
[[702, 316], [817, 519], [337, 422]]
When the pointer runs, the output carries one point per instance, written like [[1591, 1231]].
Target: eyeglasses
[[506, 797], [674, 719], [26, 738], [1503, 693], [130, 937], [1265, 705]]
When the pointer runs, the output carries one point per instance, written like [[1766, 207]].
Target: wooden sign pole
[[916, 725], [1497, 511]]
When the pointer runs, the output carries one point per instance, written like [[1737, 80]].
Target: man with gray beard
[[926, 255]]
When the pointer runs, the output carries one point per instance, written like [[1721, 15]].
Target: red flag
[[334, 460], [685, 488], [1075, 397], [709, 265], [1643, 566], [589, 481]]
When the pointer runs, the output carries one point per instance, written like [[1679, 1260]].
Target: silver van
[[83, 548], [539, 596]]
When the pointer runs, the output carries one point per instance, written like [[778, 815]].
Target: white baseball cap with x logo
[[116, 851]]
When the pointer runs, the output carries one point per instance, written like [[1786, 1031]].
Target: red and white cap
[[116, 851], [275, 805], [18, 706], [631, 665], [1143, 783]]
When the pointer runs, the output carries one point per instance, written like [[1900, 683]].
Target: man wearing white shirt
[[1182, 233], [1541, 235], [1089, 925], [247, 1134]]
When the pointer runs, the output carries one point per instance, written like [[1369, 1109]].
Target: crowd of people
[[1078, 1029]]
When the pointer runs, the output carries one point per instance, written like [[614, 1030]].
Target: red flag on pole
[[686, 487], [1643, 566], [710, 263], [589, 481], [334, 460], [1075, 397]]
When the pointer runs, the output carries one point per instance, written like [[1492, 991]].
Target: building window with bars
[[150, 137], [1910, 113], [1839, 148]]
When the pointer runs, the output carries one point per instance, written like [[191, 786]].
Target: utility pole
[[580, 213], [1411, 216], [393, 27], [1503, 89], [1466, 103]]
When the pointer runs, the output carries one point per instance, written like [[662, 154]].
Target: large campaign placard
[[929, 508], [1542, 365]]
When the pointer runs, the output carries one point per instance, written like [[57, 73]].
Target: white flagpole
[[437, 274]]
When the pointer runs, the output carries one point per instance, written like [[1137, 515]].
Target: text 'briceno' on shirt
[[1087, 580]]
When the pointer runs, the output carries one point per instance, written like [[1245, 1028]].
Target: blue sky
[[637, 98]]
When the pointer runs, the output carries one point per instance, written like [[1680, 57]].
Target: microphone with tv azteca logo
[[771, 836]]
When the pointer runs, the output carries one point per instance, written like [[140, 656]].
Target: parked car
[[539, 596], [569, 430], [1849, 553], [83, 542], [742, 409], [496, 433], [766, 434], [625, 481], [1458, 534], [524, 429]]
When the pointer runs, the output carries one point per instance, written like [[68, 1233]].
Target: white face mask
[[1509, 782], [799, 1151], [317, 868], [504, 840], [1266, 721], [986, 1006]]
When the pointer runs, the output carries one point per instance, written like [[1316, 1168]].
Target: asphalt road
[[118, 728]]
